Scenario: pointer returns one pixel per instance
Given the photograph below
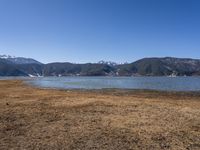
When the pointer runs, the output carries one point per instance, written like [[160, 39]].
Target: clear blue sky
[[92, 30]]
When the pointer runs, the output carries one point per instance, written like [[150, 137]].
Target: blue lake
[[152, 83]]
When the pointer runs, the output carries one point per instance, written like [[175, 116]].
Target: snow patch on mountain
[[110, 63], [6, 56], [19, 60]]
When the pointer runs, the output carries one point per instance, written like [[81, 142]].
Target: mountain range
[[167, 66]]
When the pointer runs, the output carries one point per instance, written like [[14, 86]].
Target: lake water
[[153, 83]]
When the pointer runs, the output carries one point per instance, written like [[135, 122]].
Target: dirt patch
[[33, 118]]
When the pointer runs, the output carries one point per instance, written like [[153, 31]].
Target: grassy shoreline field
[[33, 118]]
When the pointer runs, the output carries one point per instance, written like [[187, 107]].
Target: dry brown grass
[[34, 118]]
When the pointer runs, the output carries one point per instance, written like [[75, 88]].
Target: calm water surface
[[153, 83]]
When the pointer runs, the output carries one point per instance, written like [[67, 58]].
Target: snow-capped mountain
[[110, 63], [6, 56], [19, 60], [168, 66]]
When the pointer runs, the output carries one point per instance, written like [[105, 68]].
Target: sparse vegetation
[[33, 118]]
